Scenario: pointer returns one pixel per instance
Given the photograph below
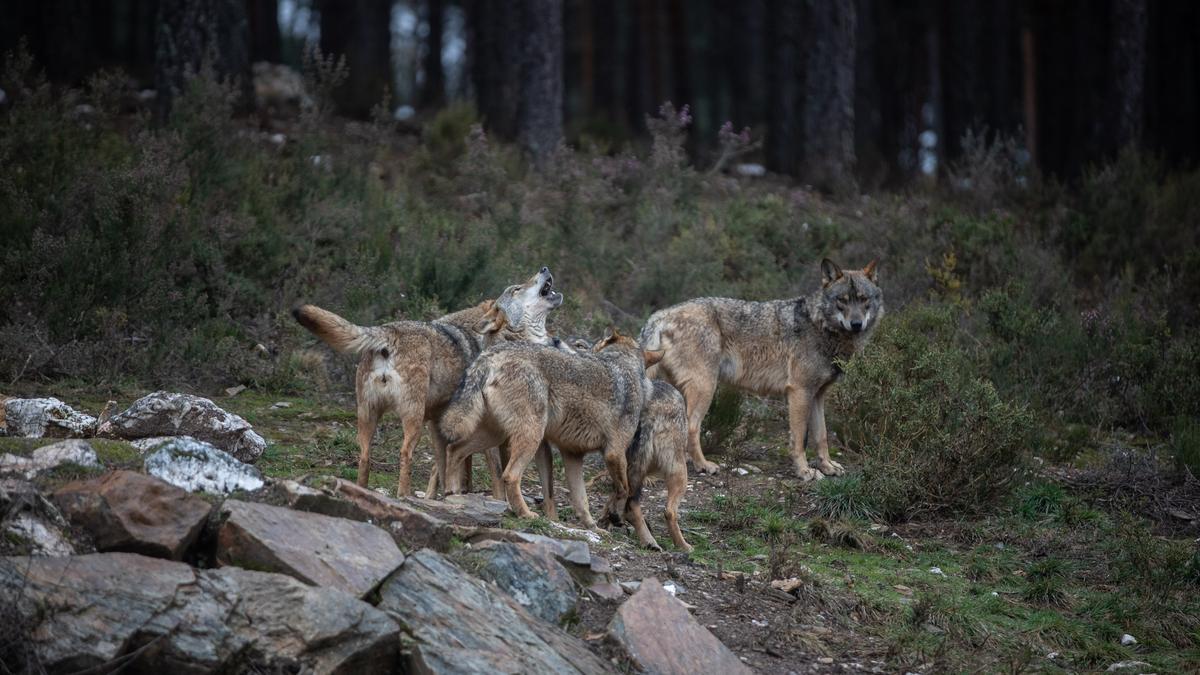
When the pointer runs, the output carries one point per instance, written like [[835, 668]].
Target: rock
[[73, 451], [235, 390], [468, 509], [1128, 665], [33, 524], [170, 414], [180, 620], [321, 550], [1128, 640], [197, 466], [792, 583], [606, 590], [590, 571], [345, 499], [659, 635], [460, 624], [530, 575], [38, 417], [129, 511]]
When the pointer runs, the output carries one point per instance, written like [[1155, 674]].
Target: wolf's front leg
[[573, 468], [799, 398], [817, 424]]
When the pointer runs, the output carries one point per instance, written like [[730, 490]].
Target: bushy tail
[[338, 332], [466, 409], [652, 339]]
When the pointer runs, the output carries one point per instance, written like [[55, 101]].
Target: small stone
[[937, 570], [234, 391], [825, 660], [1128, 640], [280, 404], [759, 624]]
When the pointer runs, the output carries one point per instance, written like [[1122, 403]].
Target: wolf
[[659, 448], [412, 368], [521, 393], [790, 347]]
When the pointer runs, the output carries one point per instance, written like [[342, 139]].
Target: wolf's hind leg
[[676, 487], [545, 464], [368, 420], [573, 468]]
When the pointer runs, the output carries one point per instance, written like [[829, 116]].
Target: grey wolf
[[659, 448], [521, 393], [781, 347], [412, 368]]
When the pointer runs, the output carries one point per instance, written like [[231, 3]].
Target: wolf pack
[[492, 379]]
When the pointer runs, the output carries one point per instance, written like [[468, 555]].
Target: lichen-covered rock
[[197, 466], [38, 417], [322, 550], [129, 511], [171, 414], [164, 616], [460, 624], [72, 451], [34, 526], [530, 575]]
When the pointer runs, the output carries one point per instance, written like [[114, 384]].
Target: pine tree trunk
[[1128, 64], [786, 76], [496, 63], [540, 110], [433, 88], [360, 30], [265, 41], [192, 34], [827, 114]]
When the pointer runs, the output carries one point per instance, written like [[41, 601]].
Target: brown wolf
[[413, 367], [787, 347], [659, 448], [522, 393]]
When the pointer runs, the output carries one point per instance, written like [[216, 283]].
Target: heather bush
[[933, 431]]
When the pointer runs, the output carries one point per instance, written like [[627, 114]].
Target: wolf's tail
[[338, 332], [466, 409], [653, 338]]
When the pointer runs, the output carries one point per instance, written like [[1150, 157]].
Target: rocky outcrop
[[321, 550], [161, 616], [74, 451], [460, 624], [659, 636], [590, 571], [529, 574], [197, 466], [129, 511], [171, 414], [38, 417]]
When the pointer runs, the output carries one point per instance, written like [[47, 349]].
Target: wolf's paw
[[710, 468], [653, 546], [807, 474], [831, 468]]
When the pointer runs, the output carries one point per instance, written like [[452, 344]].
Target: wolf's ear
[[869, 270], [830, 272], [609, 333], [492, 321], [652, 356]]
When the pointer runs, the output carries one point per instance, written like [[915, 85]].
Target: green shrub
[[845, 498], [1040, 499], [934, 433], [1045, 582], [1185, 445]]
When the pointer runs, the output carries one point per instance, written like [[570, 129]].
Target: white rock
[[759, 624], [576, 533], [1128, 665], [172, 414], [752, 170], [937, 570], [281, 404], [673, 588], [38, 417], [197, 466], [73, 451], [1128, 639], [42, 538], [740, 471]]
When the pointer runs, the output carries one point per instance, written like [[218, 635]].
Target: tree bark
[[540, 108], [786, 76], [360, 30], [192, 34], [496, 63], [433, 87], [827, 128], [265, 41], [1128, 71]]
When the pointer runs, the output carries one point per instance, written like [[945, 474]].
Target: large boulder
[[170, 414], [590, 571], [321, 550], [38, 417], [129, 511], [467, 509], [155, 615], [530, 574], [460, 624], [197, 466], [344, 499], [659, 636], [73, 451]]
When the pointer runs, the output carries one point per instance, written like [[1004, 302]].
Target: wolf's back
[[337, 332]]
